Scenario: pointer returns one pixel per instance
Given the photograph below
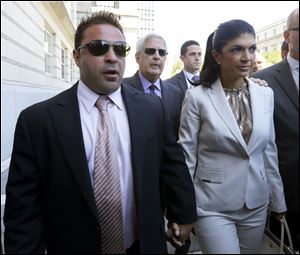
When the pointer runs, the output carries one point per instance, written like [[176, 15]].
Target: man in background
[[151, 54], [190, 55], [284, 49], [283, 78]]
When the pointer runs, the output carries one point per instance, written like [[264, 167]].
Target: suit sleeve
[[23, 220], [277, 200], [189, 131], [177, 183]]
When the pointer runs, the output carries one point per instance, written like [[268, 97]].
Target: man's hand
[[260, 82], [178, 234]]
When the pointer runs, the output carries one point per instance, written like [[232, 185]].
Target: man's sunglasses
[[101, 47], [151, 51], [293, 29]]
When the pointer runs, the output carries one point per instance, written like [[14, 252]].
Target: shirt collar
[[88, 97], [190, 75], [293, 63], [146, 84]]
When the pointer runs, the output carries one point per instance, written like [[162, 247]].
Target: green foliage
[[272, 57], [177, 67]]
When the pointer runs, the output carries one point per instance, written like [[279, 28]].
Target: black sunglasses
[[151, 51], [101, 47], [293, 29]]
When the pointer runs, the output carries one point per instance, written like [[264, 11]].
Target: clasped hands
[[177, 234]]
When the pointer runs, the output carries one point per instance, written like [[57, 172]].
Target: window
[[48, 50], [63, 62], [71, 70]]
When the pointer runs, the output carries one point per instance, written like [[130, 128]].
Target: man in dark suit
[[51, 194], [283, 78], [151, 52], [190, 55]]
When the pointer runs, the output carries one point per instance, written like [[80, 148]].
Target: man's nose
[[111, 55]]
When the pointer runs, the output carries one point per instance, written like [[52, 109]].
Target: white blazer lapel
[[219, 101], [257, 110]]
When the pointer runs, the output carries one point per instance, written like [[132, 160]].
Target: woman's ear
[[216, 56]]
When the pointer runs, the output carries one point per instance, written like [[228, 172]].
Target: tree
[[272, 57], [177, 67]]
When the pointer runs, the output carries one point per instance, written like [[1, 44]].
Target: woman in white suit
[[227, 135]]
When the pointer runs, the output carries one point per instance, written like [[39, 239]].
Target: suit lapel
[[287, 82], [164, 92], [136, 82], [257, 110], [137, 138], [219, 101], [66, 119], [182, 81]]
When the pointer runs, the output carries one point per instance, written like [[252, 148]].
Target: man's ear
[[76, 56], [286, 35], [137, 57]]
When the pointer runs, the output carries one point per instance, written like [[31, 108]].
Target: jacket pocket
[[209, 174]]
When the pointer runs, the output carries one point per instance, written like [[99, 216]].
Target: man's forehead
[[195, 48]]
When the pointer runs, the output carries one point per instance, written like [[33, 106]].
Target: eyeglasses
[[101, 47], [151, 51], [293, 29]]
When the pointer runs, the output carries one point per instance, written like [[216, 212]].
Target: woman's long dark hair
[[225, 32]]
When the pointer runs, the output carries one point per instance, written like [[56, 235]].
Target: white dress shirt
[[294, 66], [89, 115], [189, 76]]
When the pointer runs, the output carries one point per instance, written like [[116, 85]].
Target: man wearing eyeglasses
[[283, 78], [151, 54], [88, 165]]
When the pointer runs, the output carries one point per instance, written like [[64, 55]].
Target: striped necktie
[[107, 190]]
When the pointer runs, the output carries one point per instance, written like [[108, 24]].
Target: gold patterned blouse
[[239, 101]]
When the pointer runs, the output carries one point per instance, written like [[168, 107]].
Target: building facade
[[270, 38]]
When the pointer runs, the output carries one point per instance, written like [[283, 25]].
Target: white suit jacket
[[228, 173]]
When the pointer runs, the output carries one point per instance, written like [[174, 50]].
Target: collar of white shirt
[[293, 63], [88, 97], [190, 75]]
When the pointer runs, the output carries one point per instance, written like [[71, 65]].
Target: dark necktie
[[152, 89], [195, 80], [107, 190]]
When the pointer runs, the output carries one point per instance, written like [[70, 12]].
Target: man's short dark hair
[[184, 46], [101, 17], [284, 46]]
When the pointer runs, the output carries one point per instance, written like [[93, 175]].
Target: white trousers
[[232, 232]]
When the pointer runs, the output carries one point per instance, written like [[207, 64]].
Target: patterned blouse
[[239, 101]]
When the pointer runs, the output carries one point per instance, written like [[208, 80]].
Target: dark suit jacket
[[49, 197], [286, 120], [180, 82], [171, 97]]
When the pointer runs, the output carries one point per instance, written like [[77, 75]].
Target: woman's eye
[[235, 50], [252, 49]]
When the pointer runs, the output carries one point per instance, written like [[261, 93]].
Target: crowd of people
[[100, 167]]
